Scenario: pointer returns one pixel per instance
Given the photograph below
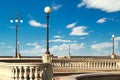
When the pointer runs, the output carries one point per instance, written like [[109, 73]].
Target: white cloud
[[56, 6], [36, 24], [36, 49], [56, 49], [101, 46], [104, 48], [35, 44], [82, 38], [63, 49], [80, 5], [33, 51], [117, 38], [104, 5], [60, 40], [71, 25], [79, 31], [2, 43], [102, 20], [9, 47], [57, 36]]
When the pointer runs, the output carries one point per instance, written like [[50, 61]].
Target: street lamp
[[69, 55], [16, 20], [47, 11], [113, 36], [47, 57]]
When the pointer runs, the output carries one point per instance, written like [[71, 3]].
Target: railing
[[85, 65], [25, 71]]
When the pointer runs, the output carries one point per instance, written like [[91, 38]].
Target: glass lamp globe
[[18, 43], [47, 9], [113, 36], [11, 21], [21, 21], [16, 20]]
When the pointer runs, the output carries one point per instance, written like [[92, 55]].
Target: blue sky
[[86, 25]]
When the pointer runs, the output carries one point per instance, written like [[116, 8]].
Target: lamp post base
[[17, 55], [113, 56], [47, 52], [47, 58]]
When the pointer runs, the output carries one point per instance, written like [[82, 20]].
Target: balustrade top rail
[[23, 64]]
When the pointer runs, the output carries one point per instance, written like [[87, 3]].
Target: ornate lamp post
[[16, 20], [47, 11], [113, 53], [113, 36], [69, 55], [47, 57]]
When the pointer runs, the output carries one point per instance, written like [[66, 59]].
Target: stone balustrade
[[25, 71], [85, 65]]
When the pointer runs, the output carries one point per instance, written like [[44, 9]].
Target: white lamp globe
[[11, 21], [18, 43], [16, 20], [47, 9], [113, 36], [21, 21]]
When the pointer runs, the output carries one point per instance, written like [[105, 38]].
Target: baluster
[[41, 73], [12, 73], [25, 72], [36, 73], [20, 73], [31, 73], [16, 73], [105, 65]]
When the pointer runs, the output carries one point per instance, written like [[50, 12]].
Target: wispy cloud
[[104, 5], [56, 6], [56, 49], [79, 31], [105, 19], [57, 36], [102, 20], [60, 40], [80, 4], [82, 38], [63, 49], [35, 44], [34, 23], [101, 46], [2, 43], [117, 38], [71, 25], [36, 49]]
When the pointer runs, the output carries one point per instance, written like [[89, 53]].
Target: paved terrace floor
[[93, 76]]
